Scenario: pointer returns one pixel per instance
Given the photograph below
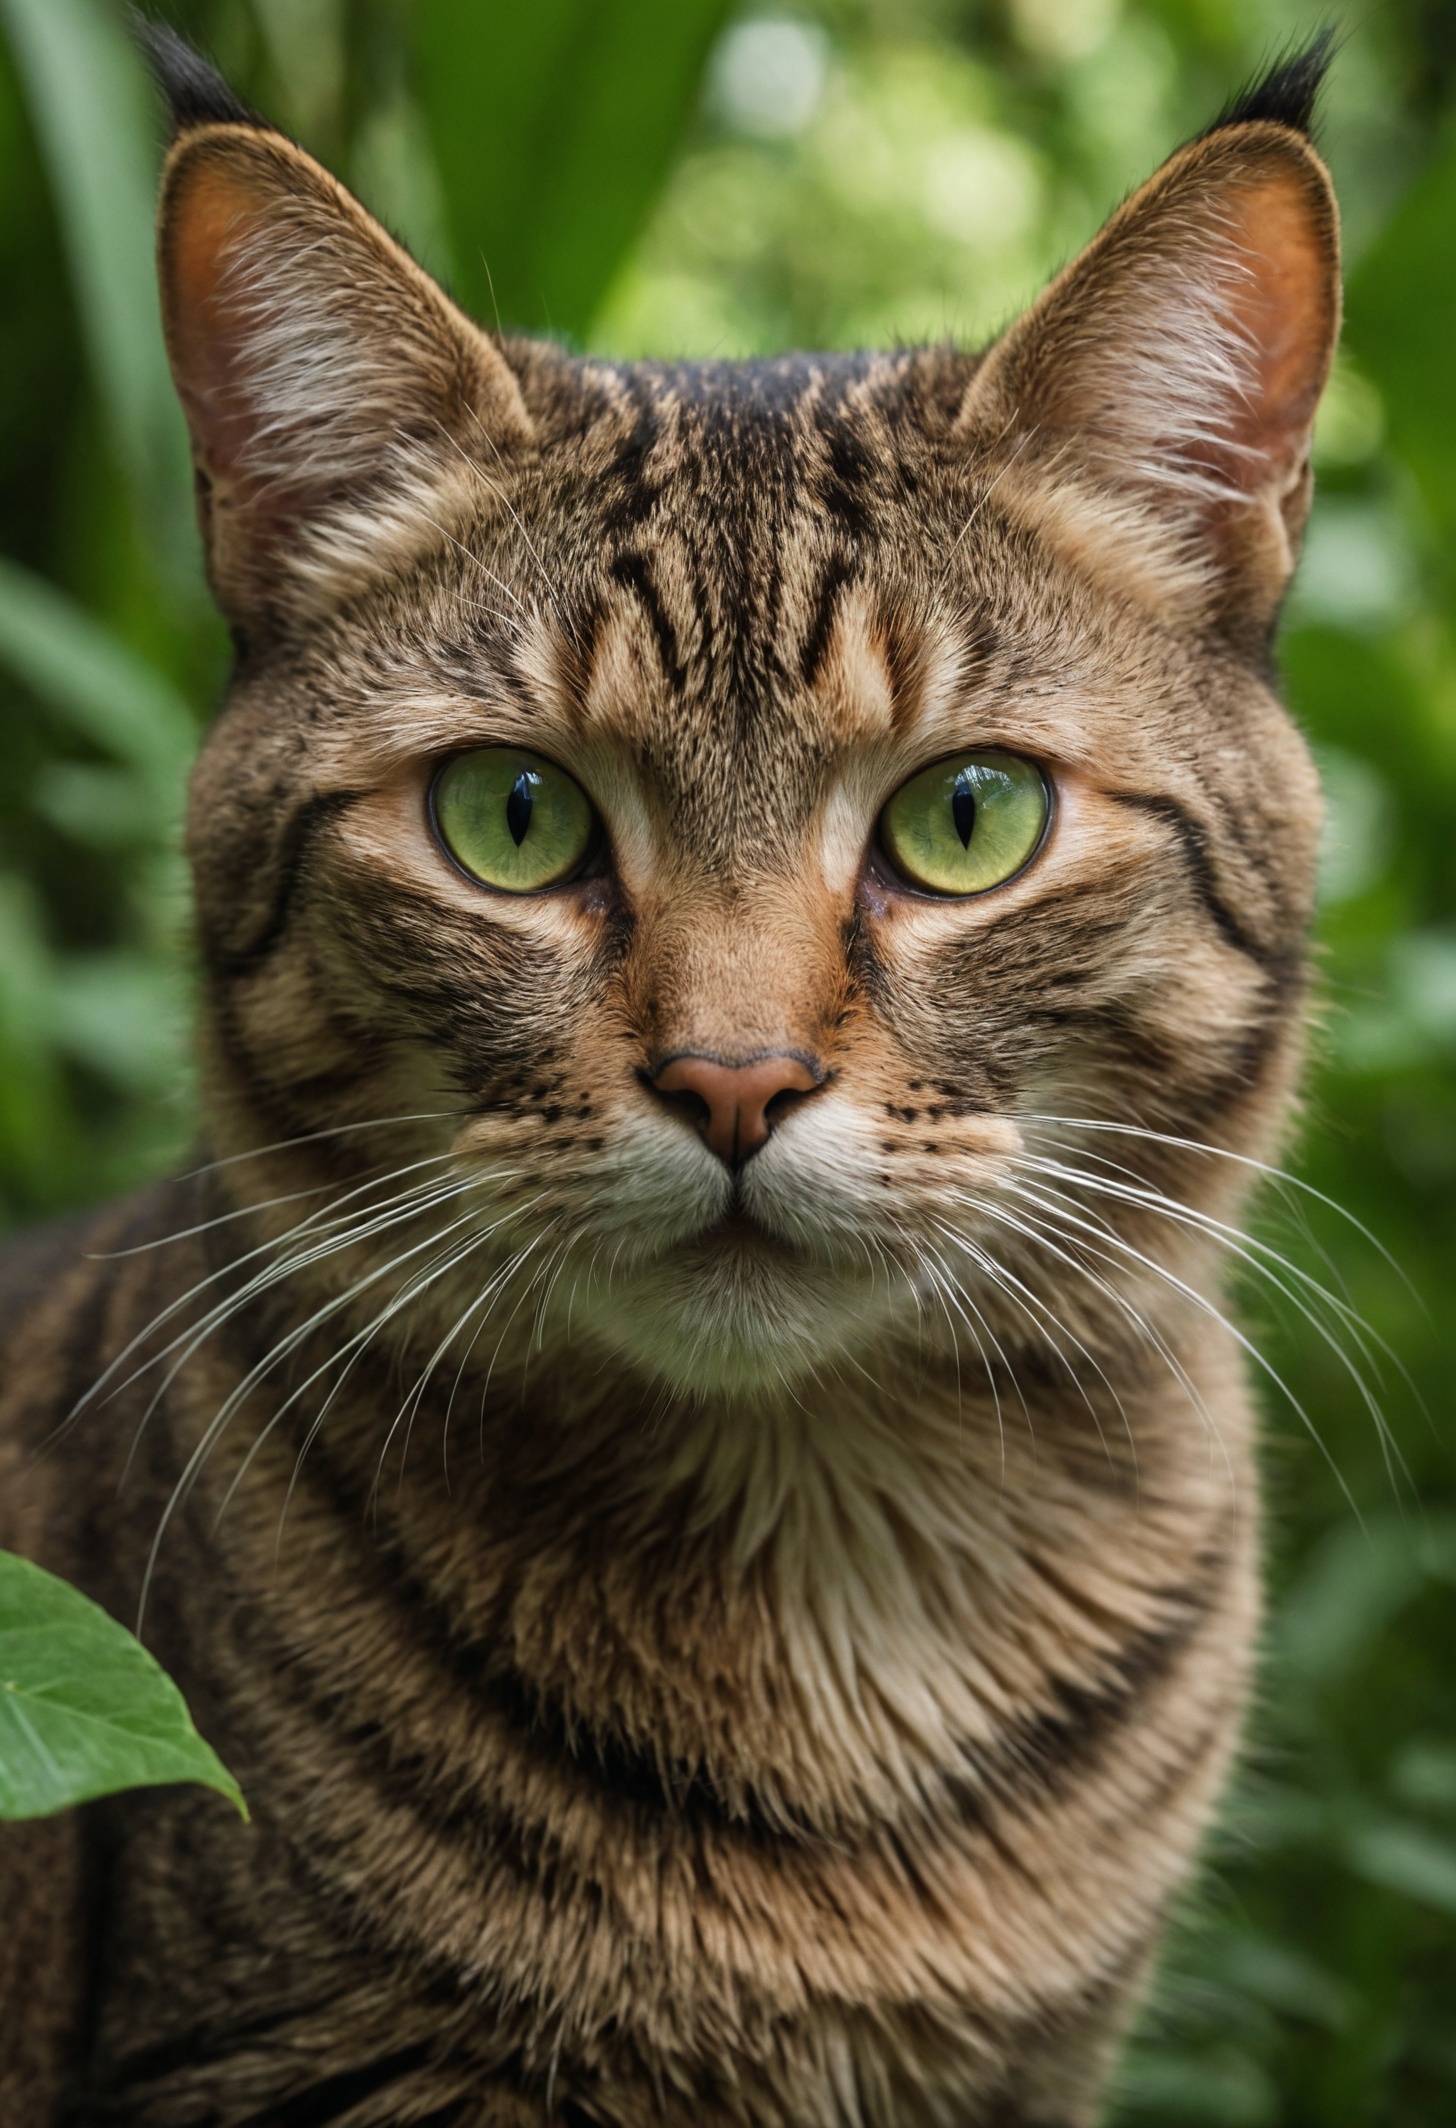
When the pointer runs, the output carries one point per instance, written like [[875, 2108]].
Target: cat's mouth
[[737, 1232]]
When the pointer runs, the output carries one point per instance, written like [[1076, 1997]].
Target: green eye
[[967, 824], [512, 820]]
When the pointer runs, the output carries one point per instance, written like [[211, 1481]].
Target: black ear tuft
[[196, 93], [1286, 94]]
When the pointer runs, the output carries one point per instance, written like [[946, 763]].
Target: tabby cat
[[681, 1437]]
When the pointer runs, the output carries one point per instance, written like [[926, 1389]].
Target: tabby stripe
[[1067, 1742], [630, 570], [608, 1775], [1070, 1738], [840, 573], [337, 2095], [1193, 840], [275, 1103], [203, 2046], [296, 844], [631, 495], [851, 472]]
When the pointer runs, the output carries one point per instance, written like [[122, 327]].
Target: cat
[[682, 1438]]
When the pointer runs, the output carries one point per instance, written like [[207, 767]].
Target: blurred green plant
[[653, 179]]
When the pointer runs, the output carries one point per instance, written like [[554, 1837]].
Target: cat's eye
[[512, 820], [967, 824]]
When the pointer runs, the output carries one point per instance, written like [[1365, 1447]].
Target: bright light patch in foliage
[[84, 1710]]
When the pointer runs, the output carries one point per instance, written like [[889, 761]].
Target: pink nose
[[733, 1105]]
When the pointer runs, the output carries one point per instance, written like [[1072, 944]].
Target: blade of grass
[[85, 673], [95, 119], [1404, 343]]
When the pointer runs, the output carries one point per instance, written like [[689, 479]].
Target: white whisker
[[279, 1351], [1106, 1237], [1261, 1258]]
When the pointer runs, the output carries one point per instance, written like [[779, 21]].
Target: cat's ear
[[339, 404], [1154, 409]]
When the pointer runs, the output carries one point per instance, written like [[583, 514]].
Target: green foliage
[[84, 1710], [93, 114], [851, 172], [1413, 368], [553, 127]]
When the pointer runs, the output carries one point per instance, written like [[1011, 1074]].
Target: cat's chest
[[535, 1782], [850, 1645]]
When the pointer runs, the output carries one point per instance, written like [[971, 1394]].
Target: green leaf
[[84, 1710], [128, 1016], [553, 127], [1358, 1581], [1407, 1859], [1220, 2086], [86, 673], [96, 120]]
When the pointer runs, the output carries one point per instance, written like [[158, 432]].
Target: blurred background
[[686, 177]]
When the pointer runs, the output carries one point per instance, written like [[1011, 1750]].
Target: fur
[[701, 1646]]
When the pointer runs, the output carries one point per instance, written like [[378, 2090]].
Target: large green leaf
[[553, 127], [1401, 322], [84, 1710], [97, 123]]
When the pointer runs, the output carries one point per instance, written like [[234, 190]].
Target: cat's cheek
[[1089, 835]]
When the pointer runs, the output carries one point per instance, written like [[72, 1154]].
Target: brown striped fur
[[699, 1648]]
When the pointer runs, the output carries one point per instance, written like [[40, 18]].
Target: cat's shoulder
[[64, 1259], [68, 1292]]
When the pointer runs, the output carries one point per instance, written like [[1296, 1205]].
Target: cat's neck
[[808, 1604]]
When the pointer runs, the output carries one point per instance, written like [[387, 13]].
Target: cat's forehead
[[741, 600], [735, 571]]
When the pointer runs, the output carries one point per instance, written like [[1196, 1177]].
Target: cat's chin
[[737, 1313]]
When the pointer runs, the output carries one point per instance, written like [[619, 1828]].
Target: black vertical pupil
[[962, 812], [518, 807]]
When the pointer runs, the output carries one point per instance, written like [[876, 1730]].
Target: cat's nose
[[735, 1106]]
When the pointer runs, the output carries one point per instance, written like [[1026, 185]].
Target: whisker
[[408, 1410], [495, 1355], [315, 1137], [313, 1431], [207, 1226], [436, 1268], [501, 1278], [477, 564], [930, 1263], [282, 1349], [1112, 1239], [1039, 1314], [501, 496], [351, 1352], [1043, 1237], [409, 1205], [316, 1222], [1138, 1192], [1261, 1258], [1279, 1176]]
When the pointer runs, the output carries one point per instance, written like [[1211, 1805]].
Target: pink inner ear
[[205, 328], [1281, 300]]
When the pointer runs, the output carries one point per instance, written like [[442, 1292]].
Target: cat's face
[[752, 1079]]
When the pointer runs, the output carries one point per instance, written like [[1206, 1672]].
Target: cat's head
[[733, 807]]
